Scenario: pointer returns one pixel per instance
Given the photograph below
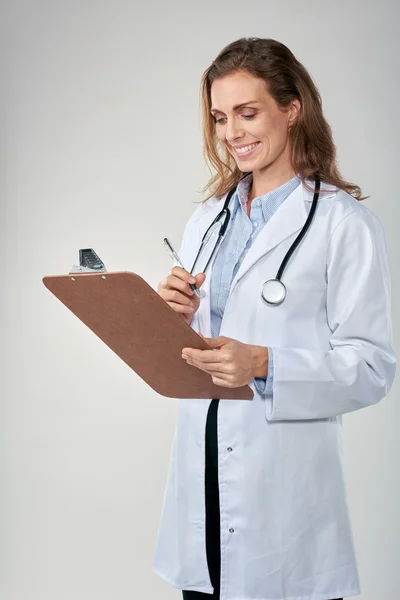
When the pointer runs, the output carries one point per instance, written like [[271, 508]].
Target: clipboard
[[132, 319]]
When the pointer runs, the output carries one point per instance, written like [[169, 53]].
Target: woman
[[255, 506]]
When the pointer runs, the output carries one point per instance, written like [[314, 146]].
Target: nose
[[233, 131]]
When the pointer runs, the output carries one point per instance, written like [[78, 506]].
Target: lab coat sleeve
[[359, 368]]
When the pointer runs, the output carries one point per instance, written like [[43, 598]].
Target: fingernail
[[192, 280]]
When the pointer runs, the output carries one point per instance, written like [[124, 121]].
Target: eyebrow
[[236, 107]]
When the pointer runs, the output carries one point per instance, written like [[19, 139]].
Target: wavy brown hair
[[313, 149]]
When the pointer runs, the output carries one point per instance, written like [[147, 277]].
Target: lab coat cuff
[[294, 389], [315, 384]]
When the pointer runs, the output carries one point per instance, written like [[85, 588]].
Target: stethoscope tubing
[[225, 211], [303, 231]]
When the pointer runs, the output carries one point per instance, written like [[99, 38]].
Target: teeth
[[245, 148]]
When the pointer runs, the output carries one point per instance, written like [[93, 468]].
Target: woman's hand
[[231, 363], [176, 292]]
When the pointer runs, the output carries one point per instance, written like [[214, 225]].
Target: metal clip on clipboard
[[89, 262]]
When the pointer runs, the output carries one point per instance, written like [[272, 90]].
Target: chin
[[249, 165]]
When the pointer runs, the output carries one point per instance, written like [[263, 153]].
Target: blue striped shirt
[[234, 247]]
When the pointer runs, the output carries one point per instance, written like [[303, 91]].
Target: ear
[[294, 111]]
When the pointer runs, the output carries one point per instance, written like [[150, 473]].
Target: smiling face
[[250, 123]]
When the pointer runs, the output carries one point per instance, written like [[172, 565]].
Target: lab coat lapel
[[287, 220]]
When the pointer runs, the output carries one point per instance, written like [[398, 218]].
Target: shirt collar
[[274, 197]]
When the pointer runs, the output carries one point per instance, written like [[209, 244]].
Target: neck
[[268, 179]]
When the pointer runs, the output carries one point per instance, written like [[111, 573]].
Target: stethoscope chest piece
[[273, 292]]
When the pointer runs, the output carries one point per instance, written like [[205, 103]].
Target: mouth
[[245, 151]]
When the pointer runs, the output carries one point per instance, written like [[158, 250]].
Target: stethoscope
[[273, 291]]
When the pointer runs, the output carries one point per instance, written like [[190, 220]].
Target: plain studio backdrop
[[101, 147]]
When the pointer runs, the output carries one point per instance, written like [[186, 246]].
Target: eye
[[222, 119]]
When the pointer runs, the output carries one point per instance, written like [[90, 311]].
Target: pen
[[175, 256]]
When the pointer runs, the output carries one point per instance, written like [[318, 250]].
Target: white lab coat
[[281, 487]]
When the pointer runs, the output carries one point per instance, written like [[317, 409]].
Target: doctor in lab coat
[[284, 522]]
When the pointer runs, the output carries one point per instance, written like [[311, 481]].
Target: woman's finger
[[183, 274], [216, 370], [222, 382], [175, 283], [177, 297], [182, 308]]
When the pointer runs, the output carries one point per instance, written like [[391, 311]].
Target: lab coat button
[[231, 530], [229, 449]]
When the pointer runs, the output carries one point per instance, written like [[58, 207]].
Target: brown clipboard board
[[139, 326]]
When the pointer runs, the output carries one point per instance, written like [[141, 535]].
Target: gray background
[[101, 147]]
